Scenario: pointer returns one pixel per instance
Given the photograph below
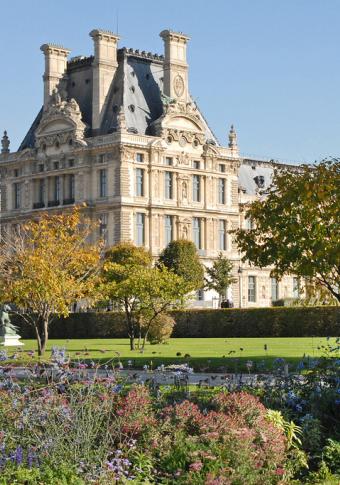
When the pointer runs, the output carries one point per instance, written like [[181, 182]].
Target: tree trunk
[[130, 325], [42, 335], [132, 342], [45, 336], [36, 328]]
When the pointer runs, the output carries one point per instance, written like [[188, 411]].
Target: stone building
[[119, 131]]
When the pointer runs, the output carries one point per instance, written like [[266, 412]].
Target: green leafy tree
[[182, 258], [219, 275], [297, 225], [145, 292]]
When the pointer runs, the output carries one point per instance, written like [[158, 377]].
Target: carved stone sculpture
[[8, 331]]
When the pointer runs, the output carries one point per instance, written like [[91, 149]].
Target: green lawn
[[204, 353]]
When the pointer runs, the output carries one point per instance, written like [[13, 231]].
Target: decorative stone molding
[[61, 123]]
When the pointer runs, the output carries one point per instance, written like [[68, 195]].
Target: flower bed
[[72, 427]]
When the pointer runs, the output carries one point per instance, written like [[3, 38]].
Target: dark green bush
[[232, 322]]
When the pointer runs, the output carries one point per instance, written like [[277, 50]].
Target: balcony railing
[[68, 201], [53, 203], [38, 205]]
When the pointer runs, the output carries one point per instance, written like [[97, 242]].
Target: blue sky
[[271, 67]]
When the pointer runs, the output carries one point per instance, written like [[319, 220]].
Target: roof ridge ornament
[[232, 139], [5, 142]]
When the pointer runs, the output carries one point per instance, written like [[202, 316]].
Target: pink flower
[[196, 466], [279, 471]]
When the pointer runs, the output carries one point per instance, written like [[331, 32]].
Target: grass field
[[231, 354]]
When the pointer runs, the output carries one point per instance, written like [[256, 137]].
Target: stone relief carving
[[178, 86], [183, 159], [182, 136]]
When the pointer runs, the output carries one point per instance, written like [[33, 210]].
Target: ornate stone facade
[[120, 132]]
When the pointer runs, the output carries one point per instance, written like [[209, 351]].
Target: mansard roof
[[137, 86]]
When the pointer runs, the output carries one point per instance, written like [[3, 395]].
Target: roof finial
[[121, 121], [232, 138], [5, 143]]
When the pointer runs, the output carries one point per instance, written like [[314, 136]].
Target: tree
[[297, 225], [46, 266], [181, 257], [220, 275], [145, 292]]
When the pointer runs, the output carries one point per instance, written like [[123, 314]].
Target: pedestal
[[10, 341]]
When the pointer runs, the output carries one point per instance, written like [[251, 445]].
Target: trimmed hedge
[[232, 322]]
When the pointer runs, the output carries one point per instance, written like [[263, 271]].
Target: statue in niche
[[185, 232], [55, 97], [184, 190]]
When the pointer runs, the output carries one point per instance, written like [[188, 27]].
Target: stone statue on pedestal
[[8, 331]]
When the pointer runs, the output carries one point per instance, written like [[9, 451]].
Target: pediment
[[57, 125], [60, 124], [180, 122]]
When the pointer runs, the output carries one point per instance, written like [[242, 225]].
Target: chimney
[[104, 68], [175, 65], [55, 67]]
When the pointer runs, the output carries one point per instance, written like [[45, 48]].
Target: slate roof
[[250, 170], [137, 85]]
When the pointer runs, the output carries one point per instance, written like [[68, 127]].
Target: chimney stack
[[104, 68], [55, 67], [175, 65]]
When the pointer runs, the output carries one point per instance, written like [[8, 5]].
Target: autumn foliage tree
[[297, 225], [46, 266]]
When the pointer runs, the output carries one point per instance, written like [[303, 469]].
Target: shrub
[[161, 328], [331, 455], [232, 322]]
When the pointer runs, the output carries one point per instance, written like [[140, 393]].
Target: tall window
[[103, 227], [221, 191], [223, 235], [72, 186], [296, 287], [103, 182], [139, 182], [17, 195], [168, 179], [249, 223], [56, 188], [168, 229], [41, 191], [196, 188], [252, 289], [274, 289], [197, 231], [140, 229]]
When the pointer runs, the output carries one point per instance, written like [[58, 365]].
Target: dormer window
[[169, 161], [196, 164], [259, 180]]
